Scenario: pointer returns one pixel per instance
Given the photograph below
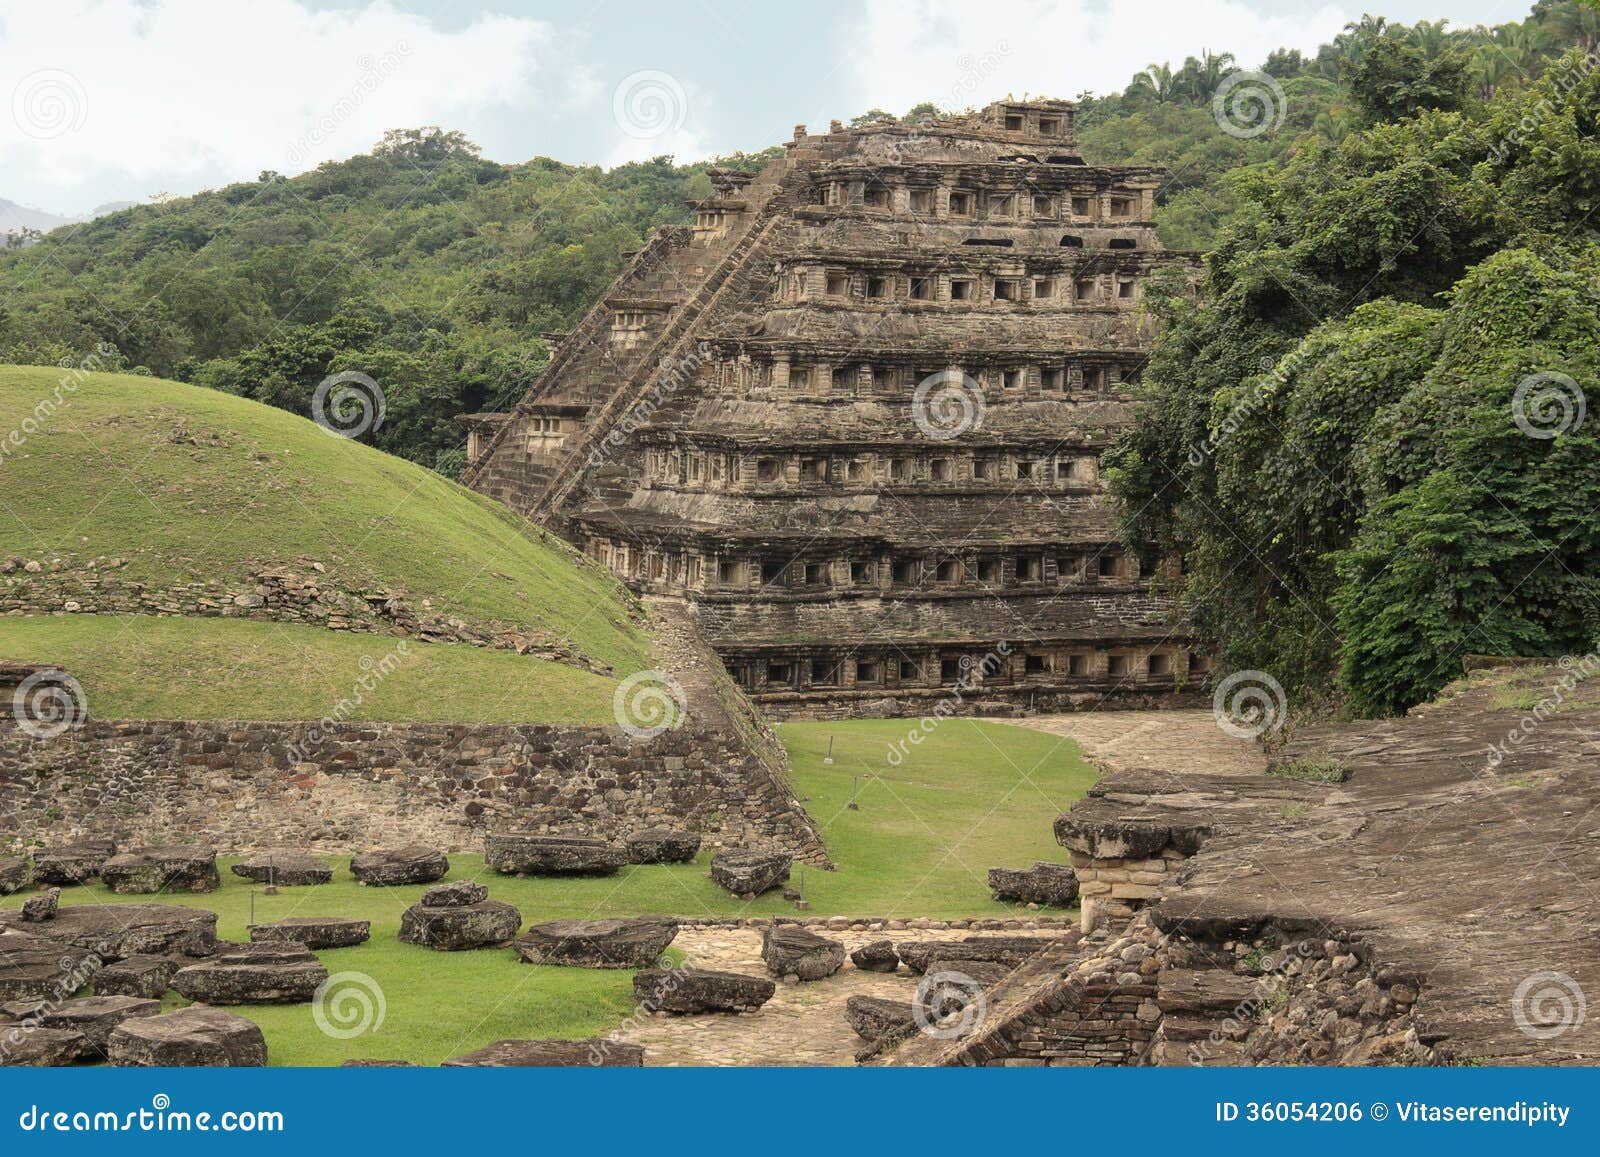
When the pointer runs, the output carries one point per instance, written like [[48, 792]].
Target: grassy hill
[[186, 484]]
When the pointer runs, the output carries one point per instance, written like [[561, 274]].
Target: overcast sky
[[117, 99]]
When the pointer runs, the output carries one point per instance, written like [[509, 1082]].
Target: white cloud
[[957, 53], [193, 90]]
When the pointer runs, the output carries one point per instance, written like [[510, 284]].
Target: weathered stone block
[[288, 869], [790, 950], [749, 873], [313, 931], [696, 990], [165, 868], [481, 925], [597, 943], [598, 1052], [391, 867], [516, 854], [188, 1038]]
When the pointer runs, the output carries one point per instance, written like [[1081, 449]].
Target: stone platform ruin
[[853, 418]]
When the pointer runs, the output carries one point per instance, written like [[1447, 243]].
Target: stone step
[[1204, 991]]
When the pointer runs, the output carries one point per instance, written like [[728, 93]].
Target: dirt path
[[1180, 741], [803, 1024]]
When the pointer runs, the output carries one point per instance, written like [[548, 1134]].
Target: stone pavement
[[803, 1024], [1188, 742]]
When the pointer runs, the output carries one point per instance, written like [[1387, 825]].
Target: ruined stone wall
[[282, 595], [1136, 993], [340, 788]]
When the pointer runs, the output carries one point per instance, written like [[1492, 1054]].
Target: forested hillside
[[1367, 439], [421, 264]]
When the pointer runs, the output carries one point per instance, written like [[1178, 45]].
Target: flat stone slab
[[375, 1063], [40, 1048], [146, 976], [14, 875], [1008, 950], [389, 867], [1055, 885], [91, 1016], [481, 925], [1207, 990], [750, 873], [790, 950], [32, 967], [71, 863], [289, 869], [188, 1038], [512, 854], [876, 1018], [879, 956], [116, 931], [313, 931], [168, 868], [597, 943], [266, 974], [662, 846], [694, 990], [457, 894], [596, 1052]]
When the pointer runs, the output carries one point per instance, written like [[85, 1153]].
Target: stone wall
[[301, 595], [340, 788]]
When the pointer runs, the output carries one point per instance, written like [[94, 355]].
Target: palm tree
[[1201, 78], [1159, 81], [1571, 23], [1431, 36]]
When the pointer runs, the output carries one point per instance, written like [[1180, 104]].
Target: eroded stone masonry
[[854, 417]]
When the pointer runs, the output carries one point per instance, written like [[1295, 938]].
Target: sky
[[119, 100]]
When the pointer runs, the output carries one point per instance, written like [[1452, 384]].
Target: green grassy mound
[[188, 484], [972, 796], [143, 667]]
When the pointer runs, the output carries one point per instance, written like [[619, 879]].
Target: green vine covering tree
[[1368, 438]]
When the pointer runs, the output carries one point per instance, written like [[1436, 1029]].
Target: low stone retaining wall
[[250, 785], [280, 595]]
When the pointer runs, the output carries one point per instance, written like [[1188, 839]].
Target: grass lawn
[[974, 795], [189, 484], [144, 667]]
